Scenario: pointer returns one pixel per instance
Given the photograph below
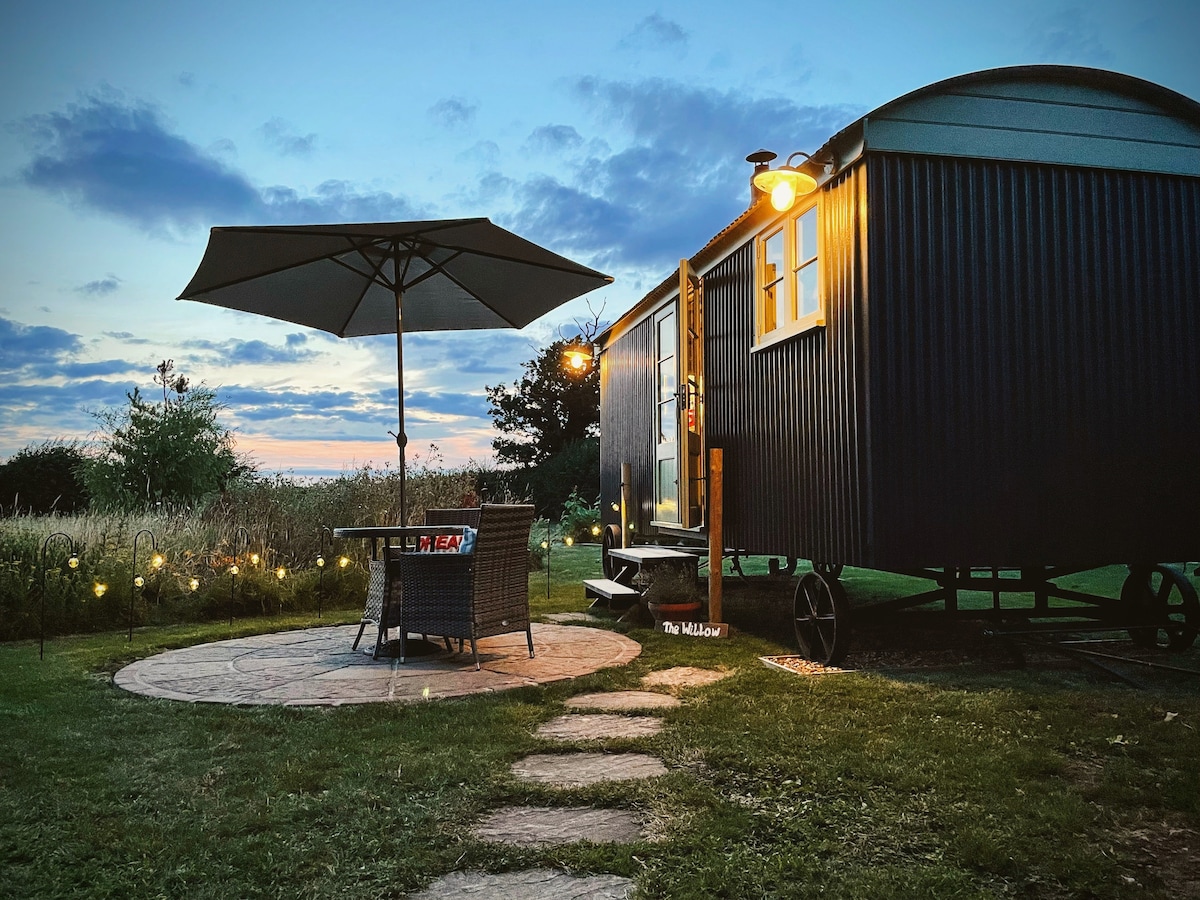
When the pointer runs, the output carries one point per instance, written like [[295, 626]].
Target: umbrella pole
[[401, 437]]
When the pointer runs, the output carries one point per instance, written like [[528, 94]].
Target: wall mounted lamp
[[785, 183]]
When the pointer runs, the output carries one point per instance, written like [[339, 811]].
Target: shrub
[[43, 478]]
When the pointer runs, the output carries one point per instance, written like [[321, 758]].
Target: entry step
[[597, 589]]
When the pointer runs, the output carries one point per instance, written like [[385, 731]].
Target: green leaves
[[174, 452]]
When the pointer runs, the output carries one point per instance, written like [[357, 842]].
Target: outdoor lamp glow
[[73, 562], [616, 507], [233, 570], [595, 531], [569, 541], [98, 589], [139, 581], [157, 561], [578, 356], [343, 562], [194, 584], [254, 559], [785, 183], [281, 573], [320, 562]]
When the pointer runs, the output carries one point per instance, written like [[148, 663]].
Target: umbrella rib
[[377, 277]]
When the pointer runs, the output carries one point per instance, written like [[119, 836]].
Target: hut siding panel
[[1034, 121], [1033, 381], [626, 422], [787, 415]]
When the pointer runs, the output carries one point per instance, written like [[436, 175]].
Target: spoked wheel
[[611, 540], [1165, 600], [829, 570], [822, 615]]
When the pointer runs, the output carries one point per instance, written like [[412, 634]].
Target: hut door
[[666, 445], [691, 396]]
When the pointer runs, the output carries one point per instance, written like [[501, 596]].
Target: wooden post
[[626, 496], [716, 537]]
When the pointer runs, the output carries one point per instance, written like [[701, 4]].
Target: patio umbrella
[[387, 277]]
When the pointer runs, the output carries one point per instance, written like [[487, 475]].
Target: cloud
[[280, 137], [453, 112], [238, 352], [119, 157], [677, 177], [100, 288], [554, 139], [40, 347], [1068, 36], [655, 32]]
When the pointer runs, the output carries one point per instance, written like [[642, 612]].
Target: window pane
[[668, 490], [667, 336], [772, 258], [666, 379], [807, 300], [667, 427], [806, 236]]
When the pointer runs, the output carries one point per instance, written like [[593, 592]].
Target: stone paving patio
[[317, 667]]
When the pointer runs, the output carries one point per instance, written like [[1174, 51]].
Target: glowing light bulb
[[783, 195], [320, 562], [569, 541], [158, 561], [98, 589], [193, 584], [343, 562], [281, 573], [233, 570], [254, 559], [73, 562], [139, 581], [595, 531]]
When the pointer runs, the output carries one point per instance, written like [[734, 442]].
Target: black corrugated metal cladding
[[627, 394], [788, 416], [1035, 396]]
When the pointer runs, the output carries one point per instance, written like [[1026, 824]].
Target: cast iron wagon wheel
[[611, 539], [822, 616], [1163, 598], [829, 570]]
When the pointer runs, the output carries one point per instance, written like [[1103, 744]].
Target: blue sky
[[612, 133]]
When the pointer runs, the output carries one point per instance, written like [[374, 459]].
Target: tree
[[173, 452], [43, 478], [545, 411]]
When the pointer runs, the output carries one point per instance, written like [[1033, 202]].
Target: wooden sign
[[695, 629]]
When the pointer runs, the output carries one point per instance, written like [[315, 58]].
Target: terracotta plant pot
[[674, 612]]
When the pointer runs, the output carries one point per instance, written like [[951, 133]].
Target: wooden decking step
[[604, 592], [609, 589]]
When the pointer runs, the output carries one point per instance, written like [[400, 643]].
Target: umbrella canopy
[[387, 277]]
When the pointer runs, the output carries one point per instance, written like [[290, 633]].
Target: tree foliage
[[170, 452], [43, 478], [546, 410]]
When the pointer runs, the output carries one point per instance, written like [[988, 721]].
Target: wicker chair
[[384, 587], [471, 595]]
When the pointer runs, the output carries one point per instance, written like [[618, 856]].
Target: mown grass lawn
[[973, 782]]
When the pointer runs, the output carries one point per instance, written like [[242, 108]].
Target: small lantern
[[193, 584], [281, 573], [320, 562], [99, 589]]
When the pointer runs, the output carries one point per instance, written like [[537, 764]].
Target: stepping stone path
[[623, 700], [535, 884], [540, 826], [549, 826], [599, 727], [581, 769]]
